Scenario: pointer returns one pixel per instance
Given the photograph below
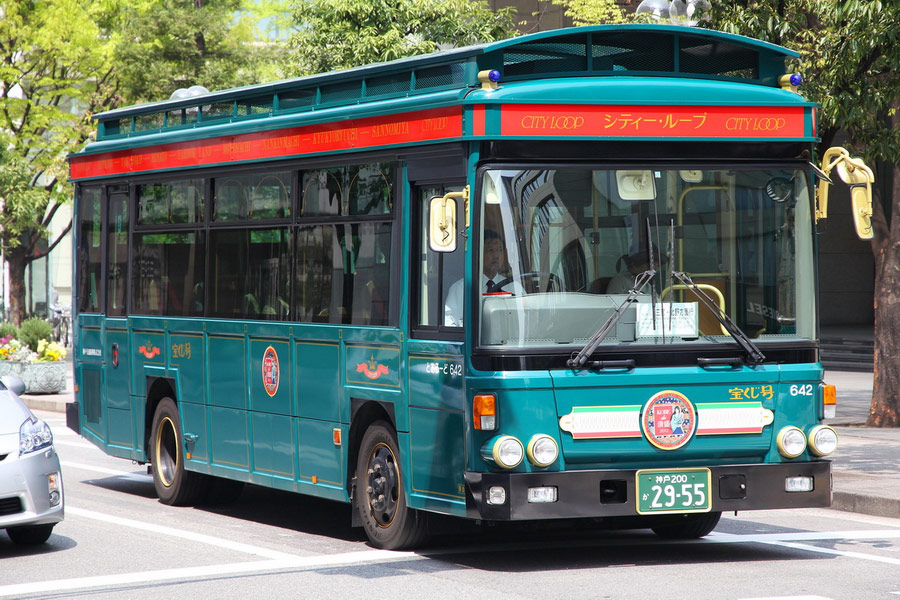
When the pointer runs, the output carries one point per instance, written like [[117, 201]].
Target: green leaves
[[339, 34]]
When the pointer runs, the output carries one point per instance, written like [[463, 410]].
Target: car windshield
[[573, 240]]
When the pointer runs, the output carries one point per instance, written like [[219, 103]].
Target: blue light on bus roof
[[494, 75], [796, 79]]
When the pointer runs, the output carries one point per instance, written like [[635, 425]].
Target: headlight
[[791, 442], [34, 435], [823, 440], [542, 450], [505, 451]]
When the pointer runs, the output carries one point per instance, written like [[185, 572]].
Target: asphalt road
[[118, 542]]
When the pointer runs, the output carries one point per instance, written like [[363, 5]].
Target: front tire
[[689, 527], [30, 535], [380, 500], [174, 484]]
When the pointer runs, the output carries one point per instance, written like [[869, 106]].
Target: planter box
[[39, 377]]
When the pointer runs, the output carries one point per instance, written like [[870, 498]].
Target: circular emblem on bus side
[[669, 420], [270, 371]]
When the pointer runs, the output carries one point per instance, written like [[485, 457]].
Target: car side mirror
[[13, 384]]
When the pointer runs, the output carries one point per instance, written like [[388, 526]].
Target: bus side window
[[440, 274], [90, 230]]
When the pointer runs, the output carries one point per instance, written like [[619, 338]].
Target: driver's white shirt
[[453, 307]]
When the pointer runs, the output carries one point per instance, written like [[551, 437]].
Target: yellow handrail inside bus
[[705, 287]]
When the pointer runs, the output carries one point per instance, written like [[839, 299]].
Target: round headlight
[[823, 440], [542, 450], [791, 442], [508, 452]]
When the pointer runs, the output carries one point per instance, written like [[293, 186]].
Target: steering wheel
[[554, 284]]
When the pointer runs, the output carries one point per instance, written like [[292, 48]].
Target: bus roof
[[596, 51]]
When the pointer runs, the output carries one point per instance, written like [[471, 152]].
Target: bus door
[[117, 350], [436, 360], [88, 342]]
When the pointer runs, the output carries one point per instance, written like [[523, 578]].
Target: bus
[[286, 285]]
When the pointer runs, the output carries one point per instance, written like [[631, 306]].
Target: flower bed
[[44, 371]]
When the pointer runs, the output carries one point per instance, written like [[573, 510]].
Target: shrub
[[34, 330], [8, 330]]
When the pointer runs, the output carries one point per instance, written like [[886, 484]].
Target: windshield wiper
[[754, 354], [640, 282]]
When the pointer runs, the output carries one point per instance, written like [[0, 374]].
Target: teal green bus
[[569, 275]]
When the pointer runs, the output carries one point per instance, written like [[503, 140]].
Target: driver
[[493, 272]]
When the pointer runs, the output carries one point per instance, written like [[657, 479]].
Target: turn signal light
[[484, 410], [829, 399]]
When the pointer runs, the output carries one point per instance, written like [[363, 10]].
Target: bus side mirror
[[442, 220], [855, 173], [442, 224]]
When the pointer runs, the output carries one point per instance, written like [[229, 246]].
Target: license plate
[[661, 491]]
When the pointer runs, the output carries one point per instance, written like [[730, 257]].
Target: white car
[[31, 490]]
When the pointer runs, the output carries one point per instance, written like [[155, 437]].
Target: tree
[[593, 12], [54, 71], [63, 60], [338, 34], [164, 45], [851, 62]]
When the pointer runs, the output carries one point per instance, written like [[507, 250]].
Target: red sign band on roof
[[543, 120], [420, 126]]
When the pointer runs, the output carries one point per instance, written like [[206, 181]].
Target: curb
[[46, 404], [876, 506]]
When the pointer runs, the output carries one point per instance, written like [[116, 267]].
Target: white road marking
[[789, 598], [817, 549], [59, 442], [272, 560], [130, 579], [106, 471], [180, 533], [803, 536], [281, 561]]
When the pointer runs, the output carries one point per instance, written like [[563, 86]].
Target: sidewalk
[[866, 466]]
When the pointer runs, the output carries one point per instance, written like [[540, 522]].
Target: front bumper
[[611, 493], [24, 489]]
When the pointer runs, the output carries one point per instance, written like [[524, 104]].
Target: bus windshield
[[575, 239]]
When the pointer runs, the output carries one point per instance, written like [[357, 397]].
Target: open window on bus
[[440, 275], [576, 238]]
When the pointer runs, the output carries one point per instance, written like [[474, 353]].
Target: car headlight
[[34, 435]]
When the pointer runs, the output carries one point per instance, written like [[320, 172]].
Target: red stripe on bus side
[[404, 128]]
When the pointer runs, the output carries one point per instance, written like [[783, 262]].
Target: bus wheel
[[689, 527], [174, 485], [379, 498]]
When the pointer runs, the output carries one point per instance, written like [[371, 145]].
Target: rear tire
[[30, 535], [689, 527], [380, 500], [174, 484]]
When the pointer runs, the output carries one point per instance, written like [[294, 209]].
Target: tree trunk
[[885, 410], [17, 260]]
